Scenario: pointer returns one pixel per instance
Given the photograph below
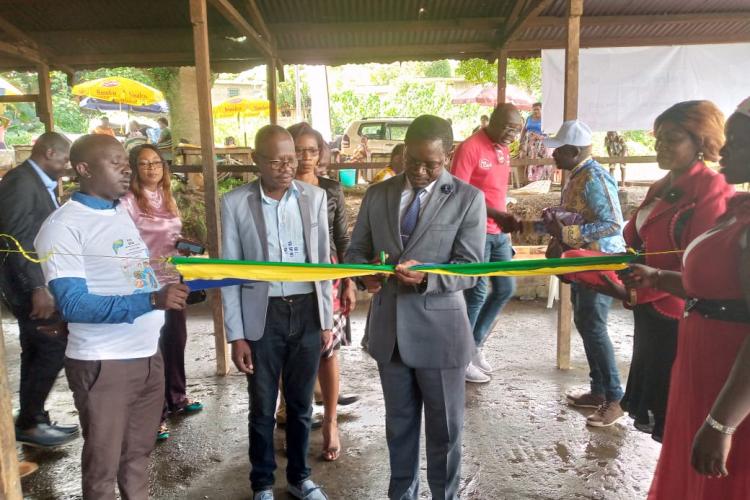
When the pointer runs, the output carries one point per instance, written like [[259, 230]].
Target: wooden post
[[198, 18], [570, 112], [44, 101], [273, 111], [10, 483], [502, 75]]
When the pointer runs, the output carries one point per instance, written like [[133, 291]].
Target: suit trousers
[[119, 403], [42, 358], [442, 393], [289, 349]]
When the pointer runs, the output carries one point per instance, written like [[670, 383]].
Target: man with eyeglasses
[[483, 160], [417, 327], [278, 329]]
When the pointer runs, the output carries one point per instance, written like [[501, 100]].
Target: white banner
[[626, 88]]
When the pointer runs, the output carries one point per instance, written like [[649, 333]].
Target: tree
[[524, 73], [439, 69]]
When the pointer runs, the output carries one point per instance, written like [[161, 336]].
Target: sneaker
[[607, 414], [585, 400], [476, 376], [481, 362], [263, 495], [307, 490]]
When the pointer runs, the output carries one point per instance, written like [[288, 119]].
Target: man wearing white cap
[[590, 192]]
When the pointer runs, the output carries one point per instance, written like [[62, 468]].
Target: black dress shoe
[[343, 400], [43, 436], [64, 428]]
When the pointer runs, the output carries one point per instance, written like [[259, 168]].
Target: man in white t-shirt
[[101, 277]]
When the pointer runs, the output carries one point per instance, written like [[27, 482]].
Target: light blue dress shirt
[[49, 183], [286, 238]]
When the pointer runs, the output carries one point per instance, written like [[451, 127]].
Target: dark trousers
[[289, 349], [119, 403], [442, 394], [42, 358], [590, 312], [172, 345]]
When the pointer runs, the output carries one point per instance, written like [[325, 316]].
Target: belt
[[291, 299], [735, 311]]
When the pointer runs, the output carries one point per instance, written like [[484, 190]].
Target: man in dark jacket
[[27, 198]]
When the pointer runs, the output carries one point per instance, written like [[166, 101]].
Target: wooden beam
[[570, 112], [649, 20], [512, 29], [199, 20], [238, 21], [24, 38], [589, 42], [300, 56], [502, 75], [21, 52], [19, 98], [469, 23], [44, 103], [272, 91], [256, 18], [10, 483]]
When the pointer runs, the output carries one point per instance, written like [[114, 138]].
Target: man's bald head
[[50, 152], [267, 136], [86, 147]]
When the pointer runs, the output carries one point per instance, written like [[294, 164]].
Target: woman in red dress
[[710, 388]]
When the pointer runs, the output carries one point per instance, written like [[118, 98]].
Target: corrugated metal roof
[[88, 33]]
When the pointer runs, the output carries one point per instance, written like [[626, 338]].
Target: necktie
[[411, 216]]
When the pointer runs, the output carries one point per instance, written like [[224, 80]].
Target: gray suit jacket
[[432, 327], [244, 238]]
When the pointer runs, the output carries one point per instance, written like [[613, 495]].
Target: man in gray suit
[[419, 332], [277, 329]]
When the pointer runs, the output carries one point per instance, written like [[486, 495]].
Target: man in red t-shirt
[[483, 160]]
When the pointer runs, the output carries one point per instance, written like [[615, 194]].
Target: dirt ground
[[520, 442]]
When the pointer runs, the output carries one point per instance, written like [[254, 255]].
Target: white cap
[[573, 133], [744, 107]]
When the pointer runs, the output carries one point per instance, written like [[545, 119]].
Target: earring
[[700, 155]]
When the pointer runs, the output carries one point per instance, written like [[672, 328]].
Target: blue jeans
[[483, 307], [290, 349], [590, 311]]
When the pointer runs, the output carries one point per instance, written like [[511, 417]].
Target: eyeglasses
[[430, 166], [302, 152], [289, 162], [151, 165]]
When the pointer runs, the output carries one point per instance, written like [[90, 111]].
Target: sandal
[[330, 453], [163, 432], [191, 407]]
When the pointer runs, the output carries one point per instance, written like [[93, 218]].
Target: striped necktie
[[411, 216]]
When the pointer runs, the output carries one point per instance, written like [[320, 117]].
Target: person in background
[[278, 329], [616, 147], [229, 142], [706, 450], [484, 120], [677, 208], [418, 329], [28, 195], [592, 194], [531, 146], [483, 160], [395, 166], [165, 135], [154, 212], [324, 160], [308, 144], [101, 277], [4, 124], [362, 153], [104, 128], [134, 130]]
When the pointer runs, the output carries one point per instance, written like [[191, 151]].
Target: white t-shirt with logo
[[104, 248]]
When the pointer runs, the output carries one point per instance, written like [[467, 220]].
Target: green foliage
[[286, 91], [226, 185], [523, 73], [439, 69]]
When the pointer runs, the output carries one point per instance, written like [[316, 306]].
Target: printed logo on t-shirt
[[500, 156], [291, 250], [485, 164]]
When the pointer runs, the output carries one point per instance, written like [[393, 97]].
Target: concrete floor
[[521, 441]]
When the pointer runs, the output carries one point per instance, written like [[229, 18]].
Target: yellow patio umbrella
[[119, 90], [239, 108]]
